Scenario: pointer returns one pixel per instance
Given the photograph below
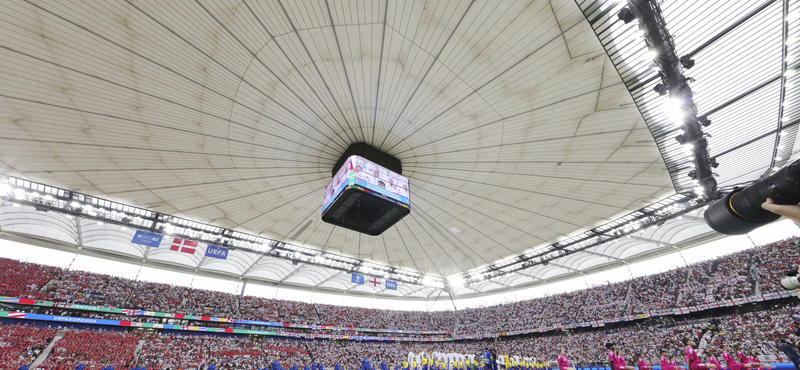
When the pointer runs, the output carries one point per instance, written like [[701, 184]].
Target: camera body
[[740, 211]]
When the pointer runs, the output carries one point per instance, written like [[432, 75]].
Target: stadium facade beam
[[602, 255], [648, 240]]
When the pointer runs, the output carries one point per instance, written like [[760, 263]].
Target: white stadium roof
[[512, 123]]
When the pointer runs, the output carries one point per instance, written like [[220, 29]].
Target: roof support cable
[[774, 160]]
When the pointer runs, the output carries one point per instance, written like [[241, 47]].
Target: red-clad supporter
[[22, 343], [93, 349], [23, 279]]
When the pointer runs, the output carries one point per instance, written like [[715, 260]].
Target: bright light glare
[[456, 281], [5, 189], [169, 229], [673, 109], [429, 281], [790, 72]]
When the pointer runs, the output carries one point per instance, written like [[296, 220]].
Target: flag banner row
[[291, 334], [178, 245], [597, 323], [136, 312], [359, 279]]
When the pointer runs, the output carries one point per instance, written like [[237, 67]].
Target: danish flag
[[184, 246]]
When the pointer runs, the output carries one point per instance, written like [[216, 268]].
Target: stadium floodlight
[[674, 110], [5, 190], [456, 281], [626, 15], [432, 282]]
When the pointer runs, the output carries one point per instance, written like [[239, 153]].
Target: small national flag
[[357, 279], [183, 246], [391, 285], [129, 312], [18, 315]]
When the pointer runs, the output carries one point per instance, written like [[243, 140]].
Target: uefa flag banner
[[148, 239], [217, 252], [391, 285], [357, 279]]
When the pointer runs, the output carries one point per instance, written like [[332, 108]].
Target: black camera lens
[[740, 211]]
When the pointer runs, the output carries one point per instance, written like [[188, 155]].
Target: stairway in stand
[[138, 351], [42, 356]]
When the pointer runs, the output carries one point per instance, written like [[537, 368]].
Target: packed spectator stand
[[22, 342], [93, 349], [755, 331], [733, 276], [753, 271]]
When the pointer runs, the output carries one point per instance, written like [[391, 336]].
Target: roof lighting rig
[[653, 215], [680, 106], [45, 198]]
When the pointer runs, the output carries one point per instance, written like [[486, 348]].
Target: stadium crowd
[[756, 332], [754, 271], [95, 350], [20, 344]]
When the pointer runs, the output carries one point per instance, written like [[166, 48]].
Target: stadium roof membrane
[[512, 123]]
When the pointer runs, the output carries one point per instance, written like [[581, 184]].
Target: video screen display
[[380, 180], [358, 171], [337, 185]]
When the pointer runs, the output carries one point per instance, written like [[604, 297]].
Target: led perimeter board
[[365, 197]]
